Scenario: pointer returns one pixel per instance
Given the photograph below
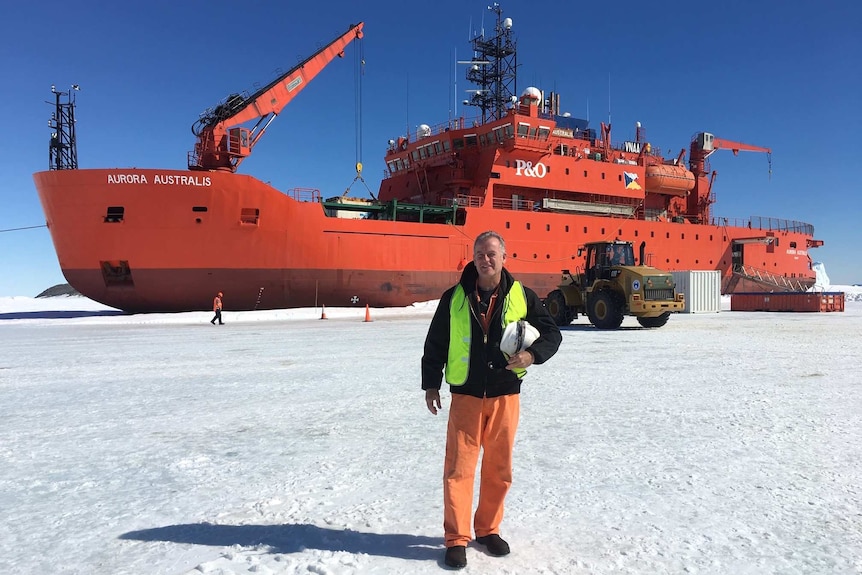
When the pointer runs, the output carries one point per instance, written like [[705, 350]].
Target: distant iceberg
[[822, 282]]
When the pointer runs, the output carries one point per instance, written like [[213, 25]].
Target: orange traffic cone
[[367, 313], [323, 312]]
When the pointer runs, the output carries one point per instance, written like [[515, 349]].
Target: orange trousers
[[488, 424]]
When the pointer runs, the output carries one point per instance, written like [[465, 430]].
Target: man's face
[[489, 259]]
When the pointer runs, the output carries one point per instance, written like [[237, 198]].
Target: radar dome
[[423, 131], [507, 23], [531, 93]]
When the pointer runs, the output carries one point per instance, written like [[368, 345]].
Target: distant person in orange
[[217, 309]]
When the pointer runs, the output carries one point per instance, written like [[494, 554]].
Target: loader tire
[[556, 304], [605, 309]]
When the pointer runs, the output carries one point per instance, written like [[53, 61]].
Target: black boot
[[495, 544], [456, 556]]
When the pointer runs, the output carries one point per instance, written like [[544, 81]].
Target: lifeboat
[[669, 180]]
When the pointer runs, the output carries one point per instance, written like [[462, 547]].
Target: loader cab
[[602, 257]]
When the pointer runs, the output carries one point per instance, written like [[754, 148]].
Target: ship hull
[[165, 240]]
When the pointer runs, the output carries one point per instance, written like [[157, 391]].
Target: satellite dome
[[423, 131], [531, 93]]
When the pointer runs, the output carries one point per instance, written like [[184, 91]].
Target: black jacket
[[488, 376]]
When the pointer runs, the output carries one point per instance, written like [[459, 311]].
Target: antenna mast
[[493, 69], [63, 149]]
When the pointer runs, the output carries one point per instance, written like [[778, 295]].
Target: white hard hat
[[518, 336]]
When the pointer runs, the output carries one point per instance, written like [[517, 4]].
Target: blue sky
[[783, 75]]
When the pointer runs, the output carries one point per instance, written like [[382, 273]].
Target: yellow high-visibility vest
[[460, 336]]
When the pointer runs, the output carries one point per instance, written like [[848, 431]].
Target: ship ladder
[[764, 278], [422, 180]]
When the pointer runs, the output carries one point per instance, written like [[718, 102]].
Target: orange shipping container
[[788, 301]]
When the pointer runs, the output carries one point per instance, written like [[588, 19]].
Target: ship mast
[[63, 149], [493, 69]]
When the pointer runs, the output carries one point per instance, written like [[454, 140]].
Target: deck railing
[[304, 194], [765, 223]]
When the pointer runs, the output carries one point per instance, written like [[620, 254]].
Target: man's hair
[[485, 236]]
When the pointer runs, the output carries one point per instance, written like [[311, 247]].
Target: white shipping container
[[701, 288]]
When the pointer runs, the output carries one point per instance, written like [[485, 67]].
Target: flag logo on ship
[[632, 181]]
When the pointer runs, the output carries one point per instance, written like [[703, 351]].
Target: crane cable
[[358, 71]]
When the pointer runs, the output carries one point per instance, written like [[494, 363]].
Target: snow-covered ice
[[723, 443]]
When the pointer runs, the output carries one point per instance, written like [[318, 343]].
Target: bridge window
[[509, 131], [523, 129], [544, 131], [470, 139]]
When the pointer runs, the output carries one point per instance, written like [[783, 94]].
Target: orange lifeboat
[[671, 180]]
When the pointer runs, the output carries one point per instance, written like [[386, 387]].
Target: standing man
[[464, 336], [217, 309]]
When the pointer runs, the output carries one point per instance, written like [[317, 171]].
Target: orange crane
[[704, 145], [223, 143]]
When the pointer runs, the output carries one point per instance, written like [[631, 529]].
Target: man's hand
[[522, 360], [432, 399]]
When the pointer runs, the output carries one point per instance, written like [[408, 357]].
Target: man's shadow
[[293, 538]]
